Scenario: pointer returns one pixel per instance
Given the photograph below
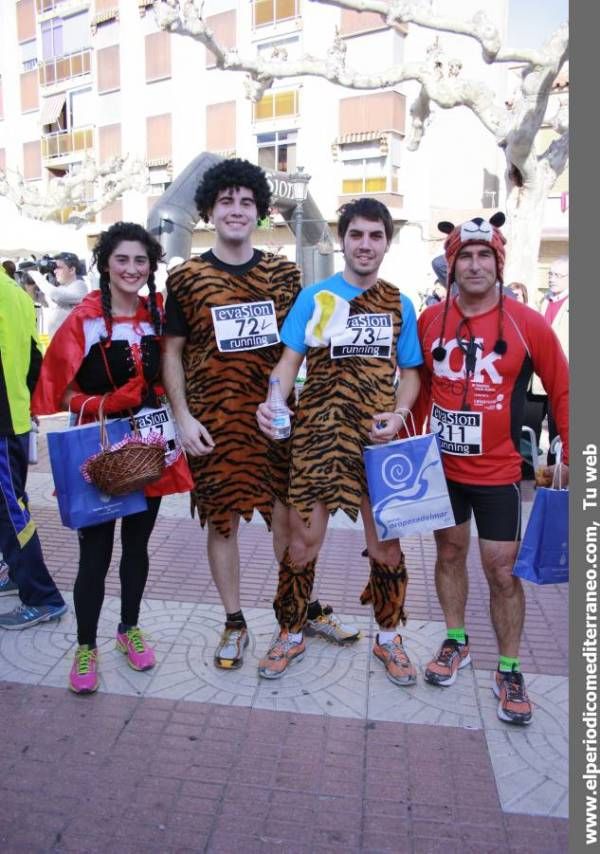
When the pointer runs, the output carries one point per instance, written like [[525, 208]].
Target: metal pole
[[297, 217]]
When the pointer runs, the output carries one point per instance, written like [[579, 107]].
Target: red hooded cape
[[61, 363]]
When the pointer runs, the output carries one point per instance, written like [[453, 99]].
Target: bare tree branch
[[440, 79], [423, 14], [72, 192]]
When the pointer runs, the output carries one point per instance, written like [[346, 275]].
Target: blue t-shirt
[[408, 348]]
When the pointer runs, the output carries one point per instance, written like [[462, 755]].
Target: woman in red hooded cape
[[109, 350]]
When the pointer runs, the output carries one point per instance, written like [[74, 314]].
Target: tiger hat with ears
[[476, 230]]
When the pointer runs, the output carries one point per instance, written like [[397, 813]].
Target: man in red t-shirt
[[480, 350]]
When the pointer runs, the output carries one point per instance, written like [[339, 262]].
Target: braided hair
[[105, 245]]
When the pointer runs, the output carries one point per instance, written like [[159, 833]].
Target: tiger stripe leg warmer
[[294, 590], [386, 590]]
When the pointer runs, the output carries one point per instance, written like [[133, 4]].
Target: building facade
[[98, 78]]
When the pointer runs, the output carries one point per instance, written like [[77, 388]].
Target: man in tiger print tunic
[[224, 311], [349, 399]]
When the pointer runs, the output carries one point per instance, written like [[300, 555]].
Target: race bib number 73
[[364, 335], [245, 326], [459, 432]]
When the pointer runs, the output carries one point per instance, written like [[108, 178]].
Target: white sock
[[386, 637], [295, 637]]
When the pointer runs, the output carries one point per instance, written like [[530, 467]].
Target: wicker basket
[[128, 467]]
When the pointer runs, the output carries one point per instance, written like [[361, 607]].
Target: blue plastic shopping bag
[[81, 504], [544, 554], [407, 487]]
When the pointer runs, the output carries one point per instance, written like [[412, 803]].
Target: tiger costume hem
[[221, 518], [294, 588], [386, 591]]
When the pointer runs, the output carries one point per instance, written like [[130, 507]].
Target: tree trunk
[[525, 216]]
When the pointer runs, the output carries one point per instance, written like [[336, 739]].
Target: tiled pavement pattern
[[331, 758]]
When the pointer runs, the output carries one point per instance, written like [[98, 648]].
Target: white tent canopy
[[21, 236]]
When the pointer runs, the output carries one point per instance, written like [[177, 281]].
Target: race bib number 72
[[459, 432], [245, 326]]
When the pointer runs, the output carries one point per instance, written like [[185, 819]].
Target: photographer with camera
[[63, 288]]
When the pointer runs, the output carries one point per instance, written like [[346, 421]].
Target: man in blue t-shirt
[[359, 336]]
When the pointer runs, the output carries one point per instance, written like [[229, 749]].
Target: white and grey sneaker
[[229, 654], [330, 627]]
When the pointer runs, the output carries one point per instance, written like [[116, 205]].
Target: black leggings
[[95, 553]]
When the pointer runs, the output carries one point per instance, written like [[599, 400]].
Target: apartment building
[[96, 78]]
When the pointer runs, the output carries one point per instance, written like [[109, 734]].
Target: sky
[[532, 21]]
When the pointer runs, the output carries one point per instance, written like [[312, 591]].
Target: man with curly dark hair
[[233, 174], [224, 311]]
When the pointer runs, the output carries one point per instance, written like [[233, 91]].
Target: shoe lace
[[397, 653], [515, 688], [446, 653], [329, 617], [85, 658], [25, 611], [281, 647], [136, 638]]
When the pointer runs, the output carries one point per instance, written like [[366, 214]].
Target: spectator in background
[[554, 308], [10, 268], [520, 291], [23, 567], [68, 292]]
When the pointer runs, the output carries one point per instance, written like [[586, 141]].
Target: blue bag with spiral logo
[[407, 487]]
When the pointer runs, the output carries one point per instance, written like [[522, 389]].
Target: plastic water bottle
[[281, 416], [33, 443]]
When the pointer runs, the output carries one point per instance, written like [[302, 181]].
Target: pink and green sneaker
[[83, 678], [140, 656]]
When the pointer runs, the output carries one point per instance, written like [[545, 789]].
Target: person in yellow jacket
[[20, 361]]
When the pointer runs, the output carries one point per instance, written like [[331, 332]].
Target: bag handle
[[403, 412], [79, 416]]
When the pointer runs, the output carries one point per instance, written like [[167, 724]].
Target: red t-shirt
[[552, 308], [479, 417]]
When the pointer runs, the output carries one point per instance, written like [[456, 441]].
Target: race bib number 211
[[459, 431]]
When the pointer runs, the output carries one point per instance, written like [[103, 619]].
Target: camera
[[46, 265]]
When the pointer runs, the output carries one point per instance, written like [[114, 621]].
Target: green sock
[[507, 665], [457, 634]]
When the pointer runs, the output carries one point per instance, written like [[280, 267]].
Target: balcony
[[44, 6], [65, 67], [64, 143]]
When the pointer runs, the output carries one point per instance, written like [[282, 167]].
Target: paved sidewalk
[[332, 757]]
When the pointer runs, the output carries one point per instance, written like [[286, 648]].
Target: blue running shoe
[[29, 615]]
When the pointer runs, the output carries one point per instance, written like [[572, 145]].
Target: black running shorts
[[497, 509]]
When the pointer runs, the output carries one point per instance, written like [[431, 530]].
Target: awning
[[51, 108], [359, 136]]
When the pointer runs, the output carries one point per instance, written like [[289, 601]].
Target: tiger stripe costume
[[331, 428], [334, 417], [245, 471]]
